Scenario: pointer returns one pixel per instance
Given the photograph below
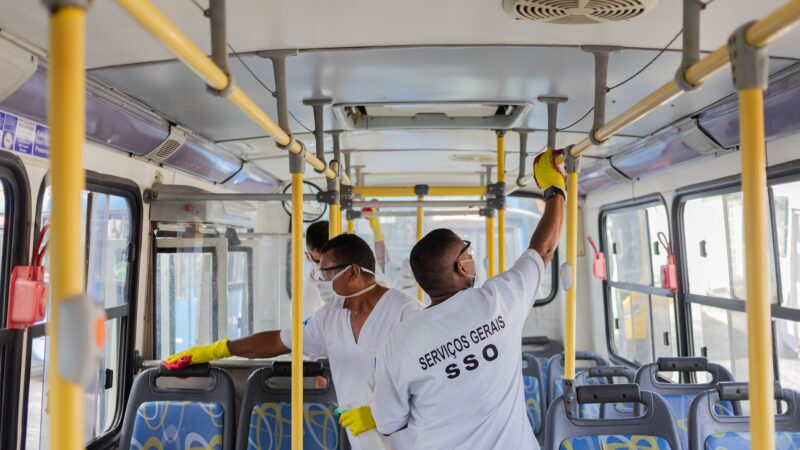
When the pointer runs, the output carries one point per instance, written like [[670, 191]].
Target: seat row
[[195, 408], [647, 411]]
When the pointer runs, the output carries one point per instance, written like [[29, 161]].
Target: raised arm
[[550, 179], [265, 344], [380, 245]]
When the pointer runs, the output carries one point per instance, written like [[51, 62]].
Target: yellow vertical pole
[[351, 226], [297, 310], [572, 258], [420, 232], [756, 235], [501, 213], [67, 127], [333, 217], [490, 245]]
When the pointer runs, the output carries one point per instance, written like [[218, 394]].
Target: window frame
[[654, 199], [554, 265], [781, 173], [126, 313]]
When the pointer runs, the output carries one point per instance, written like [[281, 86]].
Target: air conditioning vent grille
[[167, 148], [578, 12]]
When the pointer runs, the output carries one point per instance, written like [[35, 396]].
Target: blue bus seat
[[534, 392], [542, 347], [555, 371], [680, 395], [265, 420], [710, 430], [605, 375], [654, 429], [191, 417]]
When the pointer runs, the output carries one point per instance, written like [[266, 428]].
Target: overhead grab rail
[[759, 34], [410, 191], [150, 18]]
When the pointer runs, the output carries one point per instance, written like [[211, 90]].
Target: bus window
[[643, 324], [522, 216], [786, 217], [108, 237], [202, 275], [713, 249]]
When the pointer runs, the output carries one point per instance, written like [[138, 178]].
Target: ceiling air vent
[[578, 12], [177, 137], [431, 115]]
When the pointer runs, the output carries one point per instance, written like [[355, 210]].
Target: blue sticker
[[9, 128], [25, 134], [41, 142]]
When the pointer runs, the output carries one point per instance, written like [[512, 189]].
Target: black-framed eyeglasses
[[320, 272], [466, 247]]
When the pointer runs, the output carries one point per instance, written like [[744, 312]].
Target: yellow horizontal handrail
[[759, 34], [408, 191], [182, 47]]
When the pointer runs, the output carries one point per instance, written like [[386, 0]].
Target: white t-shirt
[[328, 334], [453, 372]]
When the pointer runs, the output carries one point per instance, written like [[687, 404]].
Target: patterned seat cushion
[[544, 363], [271, 427], [169, 425], [680, 409], [742, 441], [615, 442], [533, 402]]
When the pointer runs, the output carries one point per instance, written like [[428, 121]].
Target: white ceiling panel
[[114, 38]]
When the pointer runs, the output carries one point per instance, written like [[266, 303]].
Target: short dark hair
[[351, 249], [317, 235], [429, 258]]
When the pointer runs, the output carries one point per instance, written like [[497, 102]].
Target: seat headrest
[[284, 369], [740, 391], [193, 371], [609, 393], [683, 364]]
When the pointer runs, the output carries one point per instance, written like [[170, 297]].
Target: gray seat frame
[[647, 377], [703, 422], [556, 366], [543, 346], [145, 390], [607, 410], [657, 420]]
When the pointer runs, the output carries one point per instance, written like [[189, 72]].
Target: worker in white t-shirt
[[452, 373], [400, 276], [349, 330]]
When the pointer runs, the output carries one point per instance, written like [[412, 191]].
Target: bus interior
[[205, 150]]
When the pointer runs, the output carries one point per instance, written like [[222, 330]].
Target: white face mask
[[329, 294]]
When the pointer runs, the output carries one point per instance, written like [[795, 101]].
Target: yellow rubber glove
[[357, 420], [375, 224], [546, 171], [198, 355]]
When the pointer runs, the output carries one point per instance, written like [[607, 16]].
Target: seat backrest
[[265, 420], [194, 417], [654, 429], [555, 371], [542, 348], [680, 395], [605, 375], [534, 391], [710, 430]]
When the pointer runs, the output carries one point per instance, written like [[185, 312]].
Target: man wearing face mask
[[349, 330], [452, 373], [316, 238]]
